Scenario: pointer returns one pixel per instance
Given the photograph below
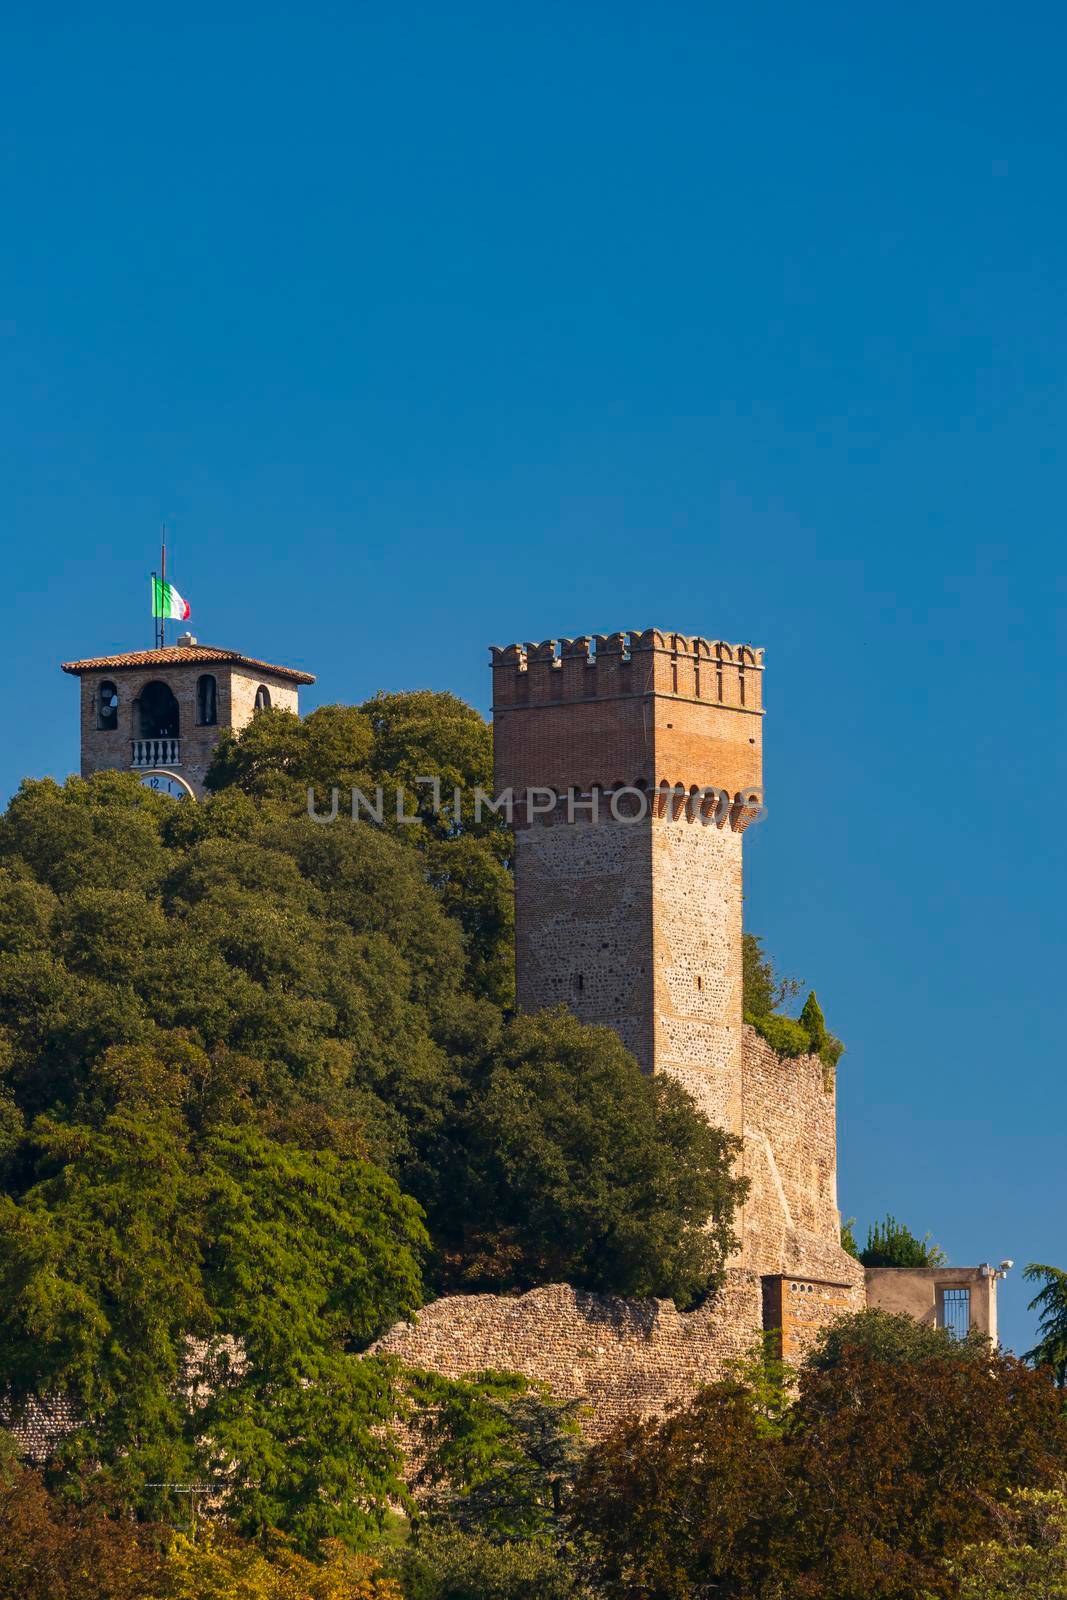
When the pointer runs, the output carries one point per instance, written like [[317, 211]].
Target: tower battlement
[[595, 666], [648, 708]]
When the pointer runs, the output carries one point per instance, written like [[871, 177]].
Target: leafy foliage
[[498, 1454], [882, 1471], [579, 1168], [221, 1568], [284, 1262], [1051, 1303], [239, 1052], [892, 1337], [450, 1565], [891, 1244], [765, 990], [68, 1549], [783, 1034], [1027, 1560]]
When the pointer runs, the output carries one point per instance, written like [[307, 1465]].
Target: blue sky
[[430, 327]]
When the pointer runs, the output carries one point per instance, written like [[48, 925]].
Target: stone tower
[[160, 713], [632, 917]]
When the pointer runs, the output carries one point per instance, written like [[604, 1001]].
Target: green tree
[[891, 1244], [279, 755], [765, 990], [890, 1336], [446, 1564], [1051, 1302], [497, 1454], [581, 1169], [308, 1257], [100, 1284], [204, 1314]]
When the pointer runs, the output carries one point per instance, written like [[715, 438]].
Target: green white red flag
[[167, 602]]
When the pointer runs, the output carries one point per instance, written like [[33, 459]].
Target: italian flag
[[167, 602]]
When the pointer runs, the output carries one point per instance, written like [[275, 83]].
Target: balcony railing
[[156, 753]]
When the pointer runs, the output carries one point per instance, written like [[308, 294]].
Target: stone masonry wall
[[583, 934], [790, 1222], [620, 1357], [697, 1004]]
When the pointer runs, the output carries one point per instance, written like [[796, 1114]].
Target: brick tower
[[632, 918], [160, 713]]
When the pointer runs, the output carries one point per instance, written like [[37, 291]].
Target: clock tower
[[160, 713]]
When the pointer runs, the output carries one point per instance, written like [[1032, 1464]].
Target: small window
[[262, 698], [207, 713], [107, 707]]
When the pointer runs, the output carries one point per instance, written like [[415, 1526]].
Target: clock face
[[163, 783]]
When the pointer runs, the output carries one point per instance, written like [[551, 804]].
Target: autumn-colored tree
[[1027, 1557], [218, 1567], [883, 1473], [67, 1549]]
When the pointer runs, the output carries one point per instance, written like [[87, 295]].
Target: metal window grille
[[956, 1312]]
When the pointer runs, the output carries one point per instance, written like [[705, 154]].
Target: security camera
[[1006, 1266]]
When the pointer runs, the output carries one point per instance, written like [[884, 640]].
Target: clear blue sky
[[430, 327]]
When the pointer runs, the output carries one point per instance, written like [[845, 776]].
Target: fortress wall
[[623, 1356], [790, 1223], [620, 1357]]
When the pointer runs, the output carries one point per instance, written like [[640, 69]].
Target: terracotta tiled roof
[[174, 655]]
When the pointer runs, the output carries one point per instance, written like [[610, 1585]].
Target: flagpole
[[163, 575]]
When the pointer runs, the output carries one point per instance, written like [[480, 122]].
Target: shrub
[[892, 1244]]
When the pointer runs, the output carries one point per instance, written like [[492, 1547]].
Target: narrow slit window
[[207, 713]]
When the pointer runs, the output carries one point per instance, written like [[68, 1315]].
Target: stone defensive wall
[[619, 1357], [622, 1357]]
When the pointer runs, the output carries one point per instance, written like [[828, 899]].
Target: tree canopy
[[261, 1092], [892, 1244], [882, 1471]]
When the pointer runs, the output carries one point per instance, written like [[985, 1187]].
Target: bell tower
[[636, 764], [160, 713]]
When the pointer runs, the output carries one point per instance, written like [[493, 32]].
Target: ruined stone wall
[[790, 1222], [620, 1357]]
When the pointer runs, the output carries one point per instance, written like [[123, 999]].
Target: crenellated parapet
[[646, 707], [602, 665]]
